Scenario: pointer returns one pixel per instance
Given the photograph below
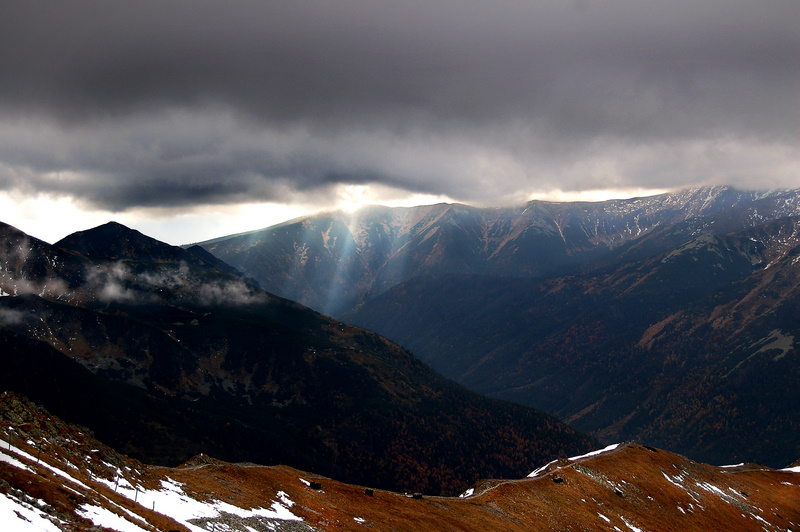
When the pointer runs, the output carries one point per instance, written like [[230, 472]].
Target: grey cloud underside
[[219, 100]]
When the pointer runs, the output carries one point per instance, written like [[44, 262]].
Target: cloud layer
[[175, 103]]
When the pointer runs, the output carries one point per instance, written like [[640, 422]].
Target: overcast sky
[[193, 119]]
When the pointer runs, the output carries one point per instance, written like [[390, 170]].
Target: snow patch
[[171, 500], [23, 454], [17, 516], [14, 462], [632, 527], [595, 453], [107, 519], [537, 471]]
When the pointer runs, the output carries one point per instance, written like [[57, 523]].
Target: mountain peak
[[115, 241]]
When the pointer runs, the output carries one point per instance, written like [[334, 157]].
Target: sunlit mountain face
[[335, 261]]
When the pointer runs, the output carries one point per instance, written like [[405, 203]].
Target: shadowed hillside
[[165, 356], [692, 349]]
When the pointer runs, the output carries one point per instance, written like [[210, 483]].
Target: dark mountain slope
[[183, 358], [742, 340], [642, 350], [29, 265], [114, 241], [100, 273]]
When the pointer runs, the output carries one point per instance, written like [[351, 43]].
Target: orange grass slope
[[55, 474], [630, 488]]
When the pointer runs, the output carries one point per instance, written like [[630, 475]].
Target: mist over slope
[[165, 353]]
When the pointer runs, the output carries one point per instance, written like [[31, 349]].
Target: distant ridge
[[335, 261], [244, 233]]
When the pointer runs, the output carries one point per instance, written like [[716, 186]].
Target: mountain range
[[334, 261], [668, 320], [56, 476], [166, 353], [692, 350]]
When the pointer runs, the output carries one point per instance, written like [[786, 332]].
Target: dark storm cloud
[[182, 102]]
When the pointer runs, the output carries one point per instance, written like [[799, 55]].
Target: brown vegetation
[[631, 487]]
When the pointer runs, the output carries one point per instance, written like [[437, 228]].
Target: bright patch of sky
[[51, 219]]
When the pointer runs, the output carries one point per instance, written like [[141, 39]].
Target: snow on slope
[[20, 513], [56, 477], [17, 515]]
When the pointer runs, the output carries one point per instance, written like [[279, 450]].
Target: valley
[[631, 319], [198, 359], [667, 323]]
